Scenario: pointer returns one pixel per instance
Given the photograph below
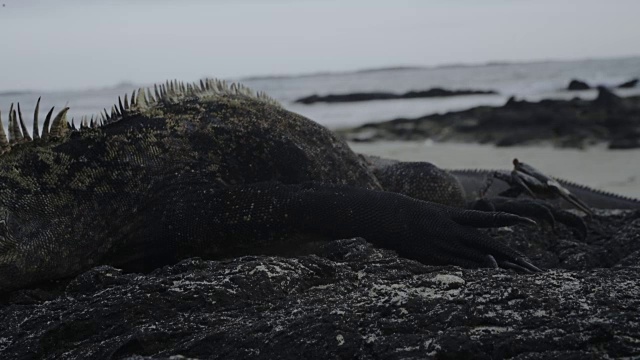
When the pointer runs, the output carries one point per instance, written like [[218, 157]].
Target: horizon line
[[451, 65]]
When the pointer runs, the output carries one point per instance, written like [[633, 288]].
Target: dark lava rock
[[368, 96], [624, 144], [349, 301], [629, 84], [607, 98], [578, 85], [564, 123]]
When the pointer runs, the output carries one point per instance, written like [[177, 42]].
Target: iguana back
[[68, 201]]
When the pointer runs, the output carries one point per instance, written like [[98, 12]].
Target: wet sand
[[616, 171]]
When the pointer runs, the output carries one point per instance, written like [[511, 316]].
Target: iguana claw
[[522, 265], [539, 185]]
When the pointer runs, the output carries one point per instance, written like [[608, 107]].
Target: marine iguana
[[215, 171], [476, 184]]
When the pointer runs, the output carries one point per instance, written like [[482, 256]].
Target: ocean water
[[533, 81]]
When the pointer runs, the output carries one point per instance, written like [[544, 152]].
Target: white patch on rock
[[490, 329], [540, 313], [431, 345], [407, 348], [370, 338], [447, 279]]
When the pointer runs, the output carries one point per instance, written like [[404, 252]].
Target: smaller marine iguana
[[213, 170]]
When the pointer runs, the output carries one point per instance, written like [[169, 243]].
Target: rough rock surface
[[578, 85], [368, 96], [565, 123], [349, 301]]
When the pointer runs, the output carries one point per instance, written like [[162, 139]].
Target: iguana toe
[[533, 208], [522, 207], [522, 265]]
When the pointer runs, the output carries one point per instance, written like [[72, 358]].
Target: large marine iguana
[[211, 170]]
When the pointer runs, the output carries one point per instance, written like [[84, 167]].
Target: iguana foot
[[451, 238], [532, 208]]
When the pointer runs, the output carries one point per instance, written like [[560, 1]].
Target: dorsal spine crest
[[171, 91]]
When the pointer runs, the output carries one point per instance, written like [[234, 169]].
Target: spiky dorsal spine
[[168, 92], [59, 126], [23, 127], [36, 132], [15, 135], [45, 126], [173, 91], [4, 143]]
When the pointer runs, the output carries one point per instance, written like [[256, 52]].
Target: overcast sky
[[66, 44]]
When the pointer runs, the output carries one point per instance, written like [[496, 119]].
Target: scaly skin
[[212, 171], [472, 180], [466, 185]]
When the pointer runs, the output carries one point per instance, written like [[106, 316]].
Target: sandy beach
[[616, 171]]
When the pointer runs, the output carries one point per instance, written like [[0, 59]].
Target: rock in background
[[572, 123]]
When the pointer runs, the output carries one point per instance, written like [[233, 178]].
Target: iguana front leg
[[206, 220], [251, 217]]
